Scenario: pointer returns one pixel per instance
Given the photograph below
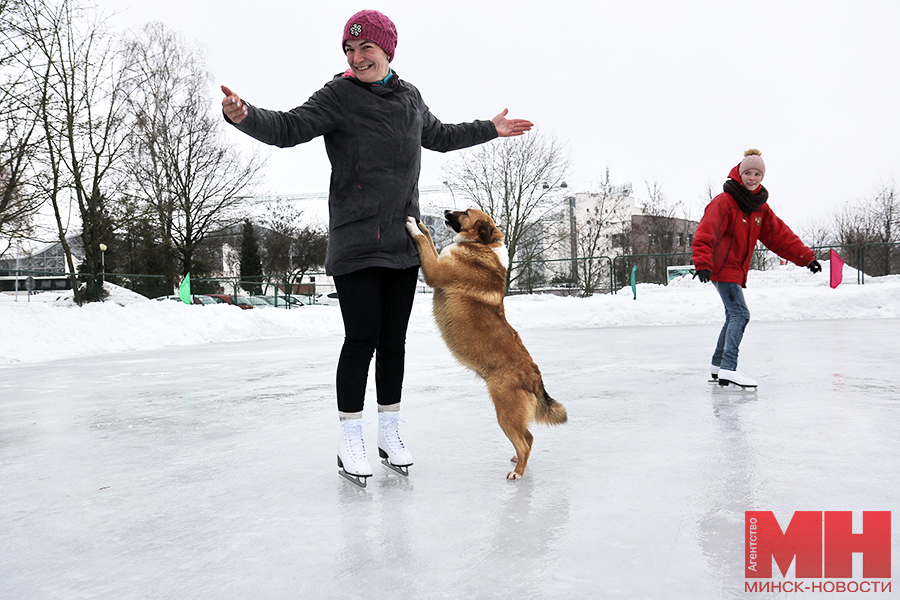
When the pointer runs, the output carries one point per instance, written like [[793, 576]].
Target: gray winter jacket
[[374, 137]]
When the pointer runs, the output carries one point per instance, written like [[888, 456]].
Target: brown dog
[[469, 279]]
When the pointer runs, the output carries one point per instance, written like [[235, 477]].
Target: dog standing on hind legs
[[469, 281]]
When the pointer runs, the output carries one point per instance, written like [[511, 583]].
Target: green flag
[[184, 291], [633, 278]]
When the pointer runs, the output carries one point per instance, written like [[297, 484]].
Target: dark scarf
[[747, 200]]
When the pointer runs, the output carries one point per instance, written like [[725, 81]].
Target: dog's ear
[[486, 232]]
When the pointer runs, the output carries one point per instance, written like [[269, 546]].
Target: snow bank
[[51, 327]]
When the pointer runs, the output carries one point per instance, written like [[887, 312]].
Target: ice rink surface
[[209, 472]]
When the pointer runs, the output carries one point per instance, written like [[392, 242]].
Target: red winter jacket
[[726, 237]]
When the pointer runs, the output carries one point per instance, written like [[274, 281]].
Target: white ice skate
[[714, 373], [737, 378], [351, 455], [391, 449]]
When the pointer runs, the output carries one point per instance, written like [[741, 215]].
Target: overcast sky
[[658, 91]]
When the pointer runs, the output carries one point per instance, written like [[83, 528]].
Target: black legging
[[375, 304]]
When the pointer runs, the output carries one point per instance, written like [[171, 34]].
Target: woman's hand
[[510, 127], [232, 106]]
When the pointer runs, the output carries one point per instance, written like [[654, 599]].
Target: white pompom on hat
[[753, 160]]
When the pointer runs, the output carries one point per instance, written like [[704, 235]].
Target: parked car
[[303, 299], [195, 299], [283, 301], [258, 302], [239, 301], [330, 299]]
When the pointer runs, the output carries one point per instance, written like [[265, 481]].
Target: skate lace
[[390, 428], [354, 438]]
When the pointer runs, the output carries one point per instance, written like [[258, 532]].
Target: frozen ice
[[208, 470]]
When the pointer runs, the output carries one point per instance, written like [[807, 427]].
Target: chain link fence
[[565, 277], [584, 277], [570, 277]]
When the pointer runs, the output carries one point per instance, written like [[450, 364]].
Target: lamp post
[[573, 238], [103, 262], [562, 184], [452, 195], [569, 203], [18, 251]]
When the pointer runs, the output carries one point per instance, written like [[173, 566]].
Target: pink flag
[[837, 269]]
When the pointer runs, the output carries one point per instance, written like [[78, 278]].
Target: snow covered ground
[[157, 450], [50, 327]]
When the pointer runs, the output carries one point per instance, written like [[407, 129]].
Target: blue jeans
[[736, 317]]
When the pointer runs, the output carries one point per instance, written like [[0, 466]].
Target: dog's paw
[[512, 475], [412, 226]]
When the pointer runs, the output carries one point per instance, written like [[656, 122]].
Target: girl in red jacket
[[723, 247]]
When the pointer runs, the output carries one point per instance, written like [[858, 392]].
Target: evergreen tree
[[141, 252], [251, 263]]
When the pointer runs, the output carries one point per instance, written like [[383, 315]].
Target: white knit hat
[[753, 160]]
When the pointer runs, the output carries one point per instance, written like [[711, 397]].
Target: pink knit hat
[[374, 26], [753, 160]]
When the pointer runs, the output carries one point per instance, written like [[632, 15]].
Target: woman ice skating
[[374, 125], [723, 247]]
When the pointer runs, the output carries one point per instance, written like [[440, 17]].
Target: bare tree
[[282, 221], [309, 249], [292, 248], [876, 222], [710, 191], [662, 221], [886, 213], [663, 228], [41, 24], [194, 182], [593, 230], [19, 128], [516, 181], [817, 234], [83, 85]]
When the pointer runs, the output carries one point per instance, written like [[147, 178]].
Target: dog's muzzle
[[452, 220]]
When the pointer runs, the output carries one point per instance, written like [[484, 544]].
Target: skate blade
[[359, 480], [735, 387], [401, 469]]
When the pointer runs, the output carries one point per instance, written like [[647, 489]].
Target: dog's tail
[[548, 410]]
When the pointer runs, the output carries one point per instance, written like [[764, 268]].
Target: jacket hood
[[377, 89]]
